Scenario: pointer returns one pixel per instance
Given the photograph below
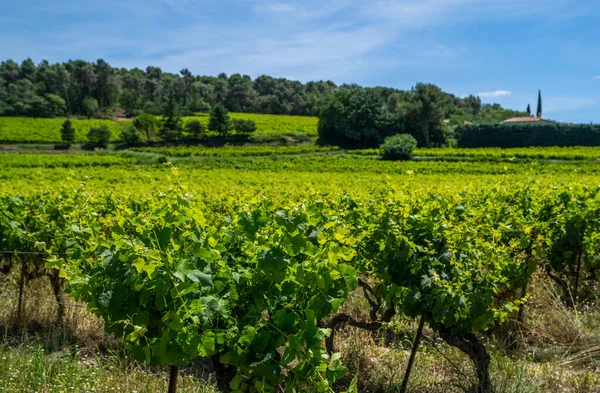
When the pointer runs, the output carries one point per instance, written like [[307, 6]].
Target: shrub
[[99, 136], [130, 135], [194, 128], [244, 126], [67, 133], [398, 147]]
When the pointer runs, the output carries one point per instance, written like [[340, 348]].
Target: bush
[[194, 128], [244, 126], [99, 136], [525, 135], [67, 133], [130, 135], [398, 147]]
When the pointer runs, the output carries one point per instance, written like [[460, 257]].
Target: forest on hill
[[96, 89]]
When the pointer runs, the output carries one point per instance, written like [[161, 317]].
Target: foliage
[[62, 160], [195, 129], [67, 133], [99, 136], [39, 130], [423, 113], [233, 151], [244, 126], [356, 117], [270, 124], [130, 135], [249, 283], [526, 134], [90, 107], [147, 124], [171, 127], [398, 147], [219, 120], [85, 88]]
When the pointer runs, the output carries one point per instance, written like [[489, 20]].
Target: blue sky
[[503, 50]]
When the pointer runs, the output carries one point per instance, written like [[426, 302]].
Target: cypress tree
[[528, 110], [539, 106], [67, 132], [219, 120]]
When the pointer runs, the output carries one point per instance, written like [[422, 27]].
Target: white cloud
[[494, 94], [596, 77]]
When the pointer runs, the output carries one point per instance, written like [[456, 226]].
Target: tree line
[[96, 89]]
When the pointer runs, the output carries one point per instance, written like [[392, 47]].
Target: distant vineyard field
[[40, 130], [237, 151], [271, 124]]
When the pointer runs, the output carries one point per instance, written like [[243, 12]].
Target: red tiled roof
[[524, 119]]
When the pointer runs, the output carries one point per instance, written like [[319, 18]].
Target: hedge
[[524, 135]]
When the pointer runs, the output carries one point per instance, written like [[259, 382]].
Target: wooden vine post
[[173, 379], [21, 289], [413, 354]]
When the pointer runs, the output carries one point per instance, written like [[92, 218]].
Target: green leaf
[[336, 369]]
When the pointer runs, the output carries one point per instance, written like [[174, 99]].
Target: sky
[[501, 50]]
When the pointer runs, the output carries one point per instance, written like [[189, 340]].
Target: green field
[[272, 124], [40, 130], [245, 151]]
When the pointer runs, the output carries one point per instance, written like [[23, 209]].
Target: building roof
[[526, 119]]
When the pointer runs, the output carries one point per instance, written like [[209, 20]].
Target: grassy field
[[555, 349]]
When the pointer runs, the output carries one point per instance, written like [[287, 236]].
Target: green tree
[[56, 105], [171, 127], [244, 126], [539, 105], [195, 129], [219, 120], [423, 115], [130, 135], [241, 95], [90, 107], [146, 123], [67, 133], [356, 117], [99, 136], [528, 110]]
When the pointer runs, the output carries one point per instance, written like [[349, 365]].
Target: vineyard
[[41, 130], [280, 269], [245, 151]]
